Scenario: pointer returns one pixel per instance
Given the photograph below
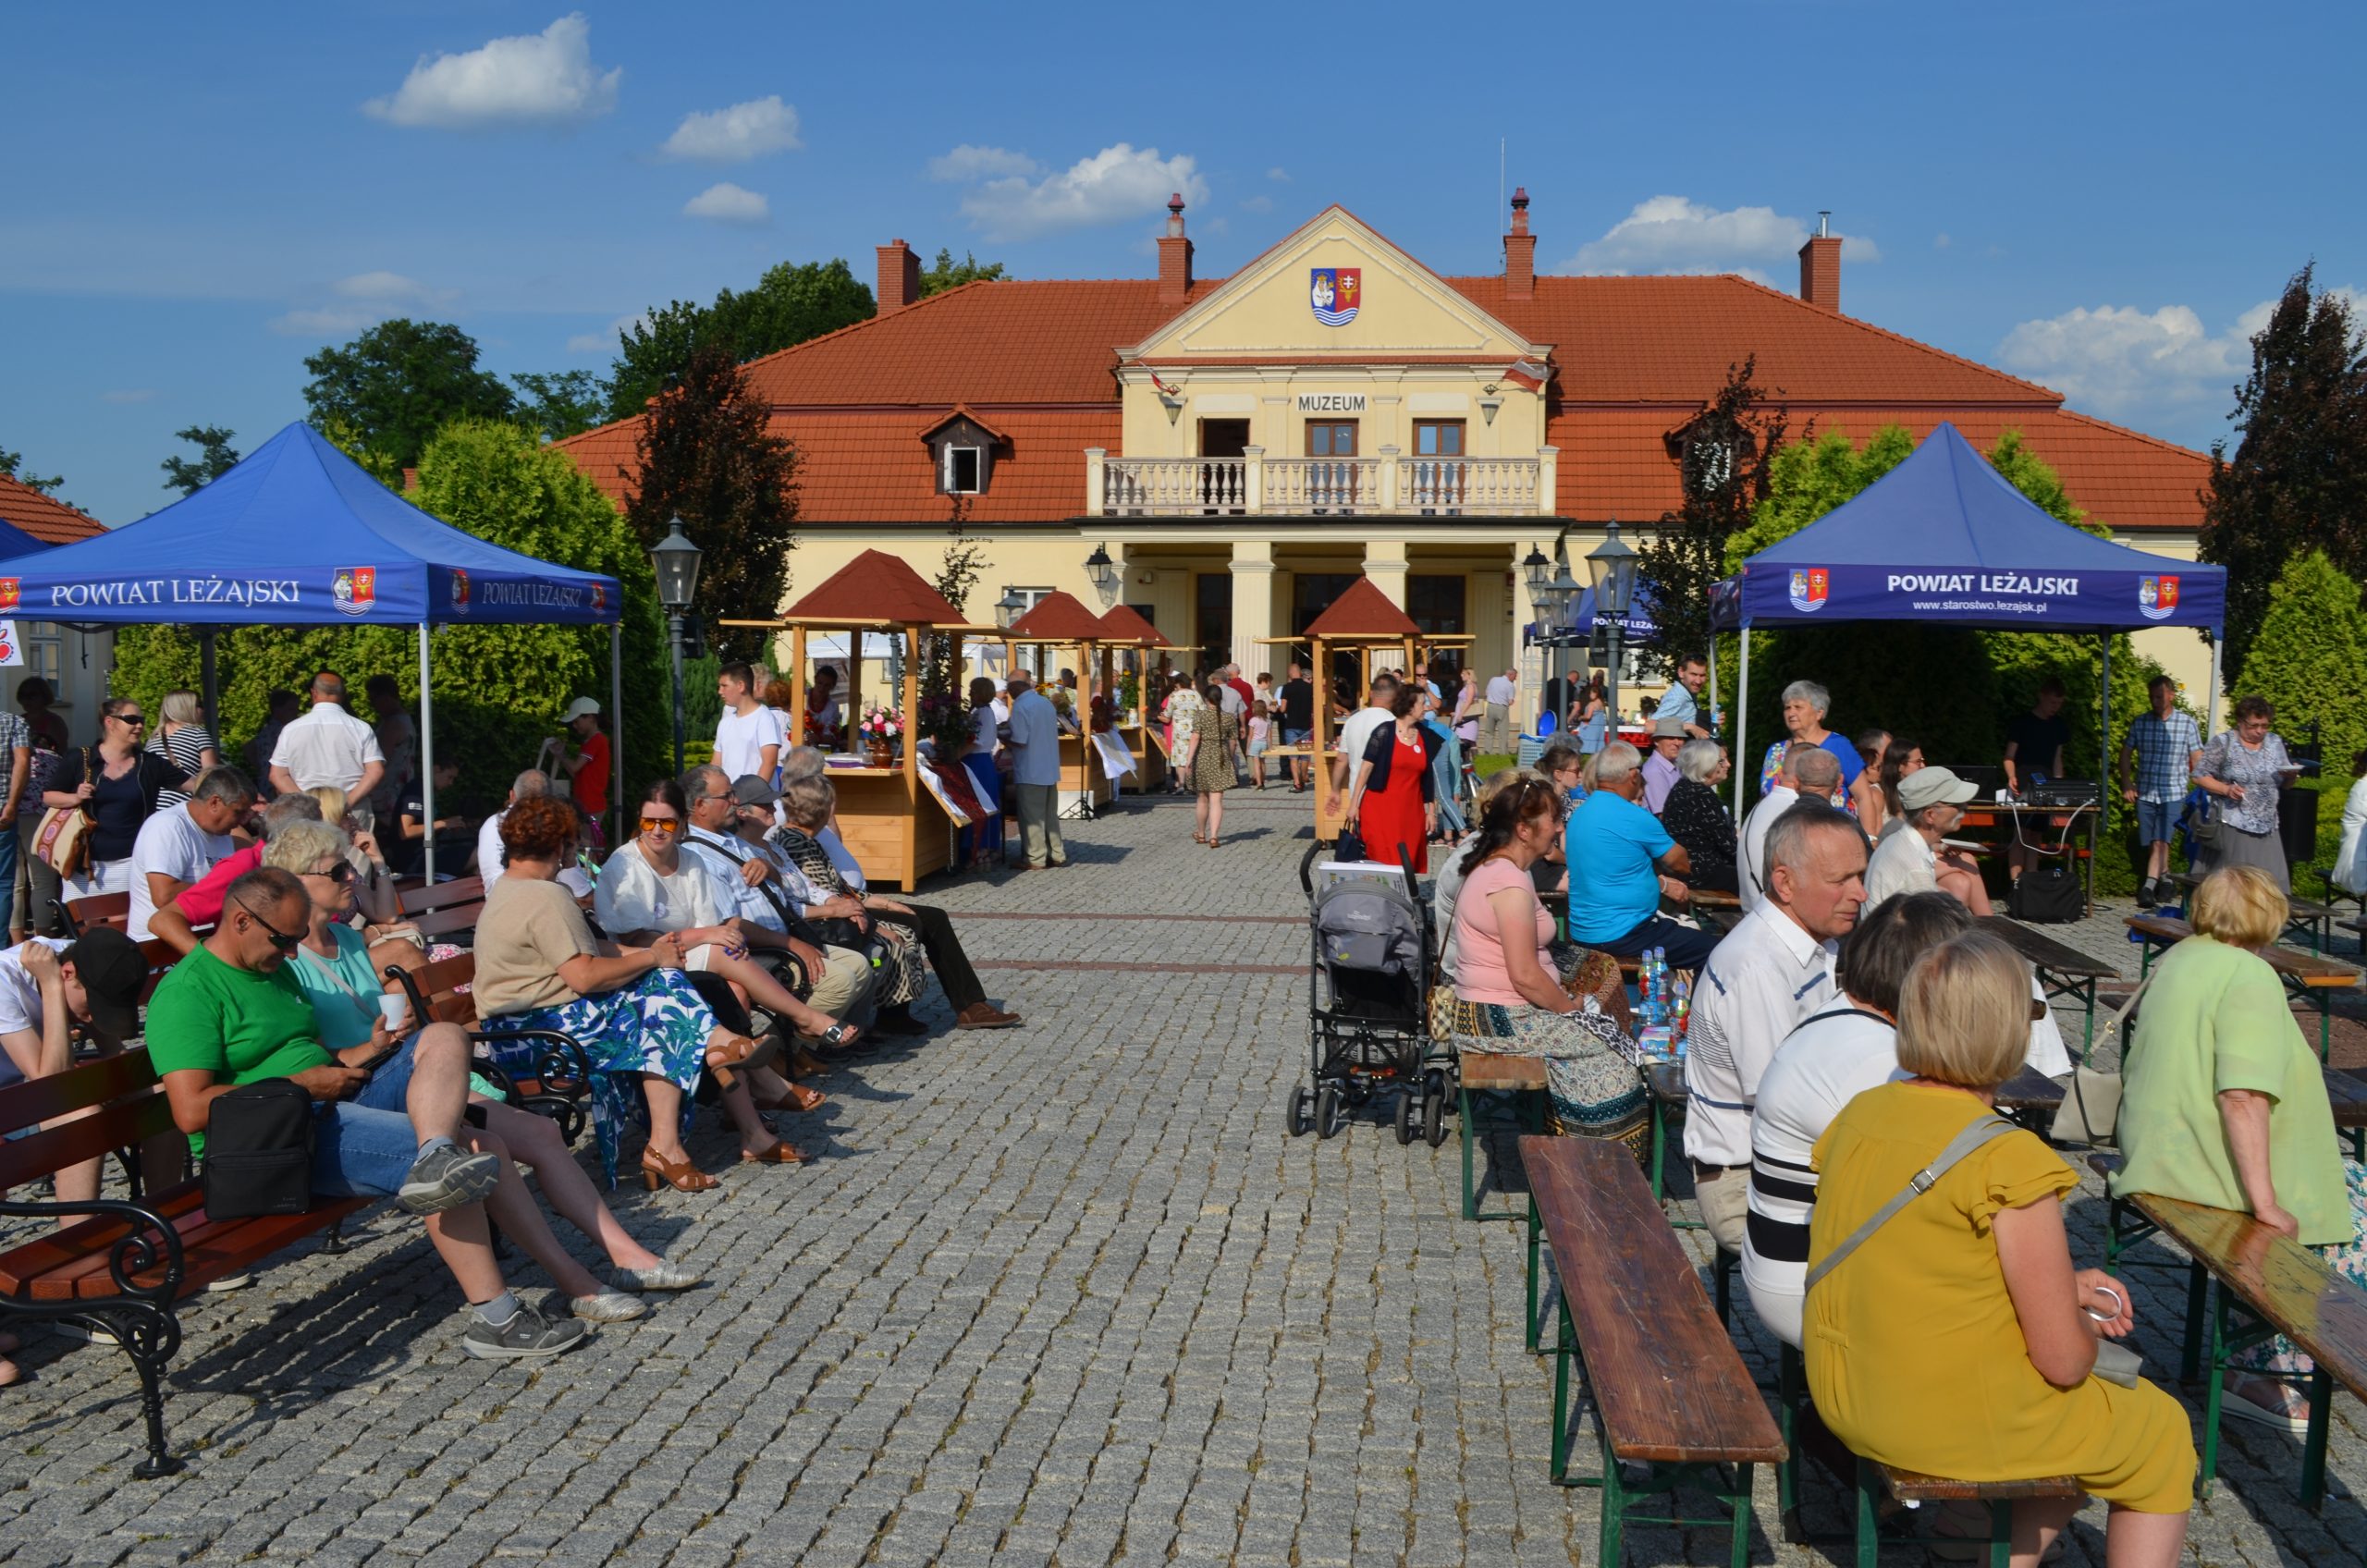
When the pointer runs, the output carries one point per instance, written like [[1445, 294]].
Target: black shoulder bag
[[258, 1151]]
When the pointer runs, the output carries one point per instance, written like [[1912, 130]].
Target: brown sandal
[[721, 1060], [682, 1175], [799, 1097], [779, 1154]]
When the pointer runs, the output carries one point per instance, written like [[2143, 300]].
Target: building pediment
[[1334, 289]]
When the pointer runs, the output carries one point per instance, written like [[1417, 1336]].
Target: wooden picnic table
[[2063, 971], [1667, 1386], [2309, 976], [2313, 920]]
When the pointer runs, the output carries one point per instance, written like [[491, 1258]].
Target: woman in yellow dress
[[1958, 1340]]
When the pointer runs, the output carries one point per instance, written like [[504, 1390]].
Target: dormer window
[[962, 447]]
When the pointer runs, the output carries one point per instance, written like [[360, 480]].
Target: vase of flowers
[[879, 729]]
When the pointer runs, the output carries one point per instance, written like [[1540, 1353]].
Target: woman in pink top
[[1511, 994]]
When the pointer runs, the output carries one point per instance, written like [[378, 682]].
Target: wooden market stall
[[1058, 620], [1363, 619], [889, 818], [1124, 627]]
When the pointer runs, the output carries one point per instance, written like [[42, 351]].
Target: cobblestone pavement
[[1060, 1294]]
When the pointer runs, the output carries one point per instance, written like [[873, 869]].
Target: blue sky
[[2097, 196]]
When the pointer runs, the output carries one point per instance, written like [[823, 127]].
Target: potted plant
[[879, 729]]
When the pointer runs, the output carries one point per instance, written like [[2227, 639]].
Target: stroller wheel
[[1298, 1115], [1434, 1113], [1405, 1117], [1329, 1113]]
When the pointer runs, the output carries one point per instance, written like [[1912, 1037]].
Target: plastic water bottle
[[1681, 1009]]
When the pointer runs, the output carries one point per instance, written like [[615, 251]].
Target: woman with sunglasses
[[115, 784], [333, 969], [1516, 994], [538, 966], [647, 891]]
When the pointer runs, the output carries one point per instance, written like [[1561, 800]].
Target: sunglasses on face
[[341, 872], [666, 824], [279, 939], [134, 720]]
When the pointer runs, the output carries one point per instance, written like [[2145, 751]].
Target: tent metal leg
[[426, 752], [617, 721], [208, 679], [1742, 719], [2104, 775], [2211, 702]]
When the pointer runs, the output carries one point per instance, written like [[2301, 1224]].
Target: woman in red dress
[[1390, 800]]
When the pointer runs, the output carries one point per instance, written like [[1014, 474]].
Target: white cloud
[[1259, 203], [726, 203], [1941, 240], [1279, 174], [1673, 234], [604, 340], [1116, 185], [967, 163], [362, 300], [537, 79], [736, 134], [2121, 361], [130, 395]]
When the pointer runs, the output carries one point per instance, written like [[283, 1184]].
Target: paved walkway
[[1061, 1295]]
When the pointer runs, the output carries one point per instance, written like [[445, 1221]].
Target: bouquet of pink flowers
[[881, 725]]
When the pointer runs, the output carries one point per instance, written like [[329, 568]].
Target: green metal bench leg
[[1533, 1227], [2197, 1290], [1868, 1544], [2314, 1443], [1722, 1275], [1563, 1342], [2212, 1396], [1470, 1198], [1789, 1379], [1659, 1151], [1740, 1558], [1614, 1508], [2001, 1534]]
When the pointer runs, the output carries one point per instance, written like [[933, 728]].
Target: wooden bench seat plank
[[1489, 1071], [1908, 1486], [459, 890], [2044, 950], [71, 1264], [1638, 1307], [452, 920], [2287, 1284]]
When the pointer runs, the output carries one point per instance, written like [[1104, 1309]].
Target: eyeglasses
[[341, 872], [660, 825], [702, 800], [279, 939]]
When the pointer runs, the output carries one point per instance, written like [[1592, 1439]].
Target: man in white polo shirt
[[1772, 972], [328, 745], [179, 844]]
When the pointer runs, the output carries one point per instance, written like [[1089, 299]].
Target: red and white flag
[[1528, 374], [1164, 390]]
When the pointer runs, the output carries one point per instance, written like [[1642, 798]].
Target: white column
[[1252, 601], [1252, 479], [1096, 468], [1391, 503], [1548, 480], [1385, 564]]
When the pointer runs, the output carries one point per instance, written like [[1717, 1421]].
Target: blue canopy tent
[[16, 542], [298, 534], [1944, 539]]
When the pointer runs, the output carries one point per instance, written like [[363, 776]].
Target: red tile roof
[[51, 522], [1363, 611], [1633, 358], [1057, 618], [1123, 623], [877, 587]]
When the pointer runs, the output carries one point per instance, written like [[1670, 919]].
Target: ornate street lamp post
[[676, 561], [1613, 566]]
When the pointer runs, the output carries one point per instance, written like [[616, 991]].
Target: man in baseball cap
[[1910, 858]]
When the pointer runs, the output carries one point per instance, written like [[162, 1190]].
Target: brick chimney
[[1821, 267], [900, 278], [1174, 253], [1520, 251]]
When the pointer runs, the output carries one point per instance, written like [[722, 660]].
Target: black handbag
[[2047, 895], [258, 1151], [1349, 846]]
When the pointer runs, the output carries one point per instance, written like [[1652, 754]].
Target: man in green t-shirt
[[229, 1014]]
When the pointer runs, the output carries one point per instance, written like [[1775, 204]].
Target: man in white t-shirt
[[748, 739], [1495, 724], [1357, 729], [179, 844], [525, 786], [1808, 771], [328, 745]]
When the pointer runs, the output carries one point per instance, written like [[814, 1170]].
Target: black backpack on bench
[[258, 1151]]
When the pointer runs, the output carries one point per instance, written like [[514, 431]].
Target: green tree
[[2310, 659], [1726, 453], [562, 403], [947, 272], [945, 708], [708, 457], [216, 456], [792, 302], [12, 464], [2298, 475], [346, 437], [401, 381], [498, 689]]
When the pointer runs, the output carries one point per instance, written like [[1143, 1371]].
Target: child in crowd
[[1262, 729]]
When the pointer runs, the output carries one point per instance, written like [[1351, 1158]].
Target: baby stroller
[[1368, 1018]]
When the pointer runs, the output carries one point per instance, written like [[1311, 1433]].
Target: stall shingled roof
[[1058, 616], [879, 588], [1363, 611], [1124, 623]]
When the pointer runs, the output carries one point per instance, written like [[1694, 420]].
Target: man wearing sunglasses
[[229, 1014]]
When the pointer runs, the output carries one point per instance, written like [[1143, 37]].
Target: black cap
[[112, 970]]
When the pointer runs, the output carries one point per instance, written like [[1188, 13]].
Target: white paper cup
[[394, 1007]]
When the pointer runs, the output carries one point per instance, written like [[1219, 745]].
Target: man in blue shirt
[[1621, 860], [1681, 702], [2166, 746], [1036, 772]]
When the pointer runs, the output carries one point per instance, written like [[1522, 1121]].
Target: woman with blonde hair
[[1963, 1298], [180, 735], [375, 897], [2224, 1103]]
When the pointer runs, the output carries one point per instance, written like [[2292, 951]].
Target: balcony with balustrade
[[1390, 484]]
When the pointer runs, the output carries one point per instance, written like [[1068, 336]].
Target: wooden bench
[[451, 919], [99, 908], [441, 895], [548, 1074], [121, 1265], [2309, 976], [2062, 972], [1665, 1086], [2268, 1284], [1485, 1072], [1668, 1390]]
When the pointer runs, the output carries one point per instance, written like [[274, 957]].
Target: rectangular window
[[1438, 438], [1213, 598], [962, 469], [1435, 601], [1332, 438], [44, 642]]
